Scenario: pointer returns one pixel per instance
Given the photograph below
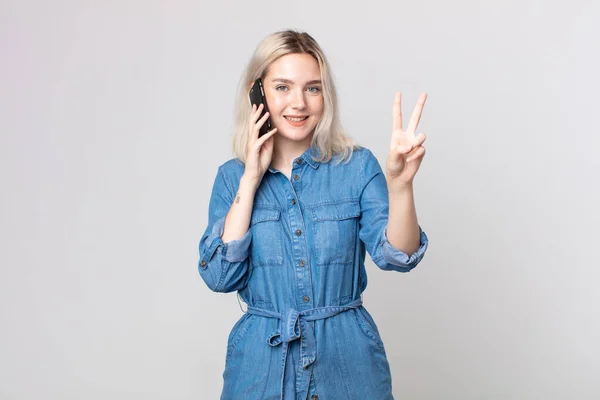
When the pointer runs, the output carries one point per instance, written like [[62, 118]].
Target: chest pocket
[[335, 227], [267, 247]]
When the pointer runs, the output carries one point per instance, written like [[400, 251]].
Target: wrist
[[249, 183], [399, 187]]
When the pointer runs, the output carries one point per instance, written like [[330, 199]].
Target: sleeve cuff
[[399, 258], [233, 251]]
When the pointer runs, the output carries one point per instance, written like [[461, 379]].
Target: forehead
[[296, 67]]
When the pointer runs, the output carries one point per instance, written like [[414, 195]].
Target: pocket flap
[[337, 211], [264, 214]]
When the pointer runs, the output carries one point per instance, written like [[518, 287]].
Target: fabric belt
[[293, 324]]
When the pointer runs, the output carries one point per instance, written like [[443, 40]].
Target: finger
[[255, 113], [403, 149], [262, 121], [266, 137], [416, 115], [417, 153], [397, 112], [420, 139], [258, 125]]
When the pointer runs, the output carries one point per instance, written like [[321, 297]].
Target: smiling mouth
[[296, 119]]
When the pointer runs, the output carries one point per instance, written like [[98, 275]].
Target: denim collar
[[307, 157]]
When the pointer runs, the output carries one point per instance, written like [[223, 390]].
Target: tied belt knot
[[293, 325]]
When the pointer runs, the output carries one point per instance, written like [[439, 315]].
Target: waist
[[311, 314]]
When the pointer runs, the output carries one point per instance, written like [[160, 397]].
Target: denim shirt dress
[[300, 270]]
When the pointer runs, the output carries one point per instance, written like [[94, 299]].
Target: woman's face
[[294, 94]]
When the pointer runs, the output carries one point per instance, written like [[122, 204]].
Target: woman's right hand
[[259, 151]]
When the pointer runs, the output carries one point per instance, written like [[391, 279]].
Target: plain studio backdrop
[[114, 117]]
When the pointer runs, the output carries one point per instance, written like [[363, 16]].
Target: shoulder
[[368, 165], [233, 165], [365, 155], [355, 171], [231, 171], [361, 160]]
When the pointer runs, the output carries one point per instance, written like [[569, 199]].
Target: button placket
[[304, 281]]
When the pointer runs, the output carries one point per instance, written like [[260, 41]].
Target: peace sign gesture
[[406, 152]]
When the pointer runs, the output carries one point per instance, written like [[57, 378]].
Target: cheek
[[275, 104], [318, 106]]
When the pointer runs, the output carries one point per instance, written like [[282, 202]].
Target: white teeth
[[296, 119]]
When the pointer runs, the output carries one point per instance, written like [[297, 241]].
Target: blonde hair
[[329, 137]]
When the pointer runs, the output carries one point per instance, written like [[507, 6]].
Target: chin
[[295, 134]]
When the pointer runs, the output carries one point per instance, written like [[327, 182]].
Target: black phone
[[257, 96]]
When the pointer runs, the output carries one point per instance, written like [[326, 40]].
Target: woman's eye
[[281, 87], [314, 89]]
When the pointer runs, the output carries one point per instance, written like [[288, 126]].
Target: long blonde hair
[[329, 137]]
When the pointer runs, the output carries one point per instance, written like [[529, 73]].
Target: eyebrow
[[292, 82]]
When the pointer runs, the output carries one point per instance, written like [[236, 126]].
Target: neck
[[286, 151]]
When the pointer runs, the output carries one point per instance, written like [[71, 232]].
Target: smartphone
[[257, 96]]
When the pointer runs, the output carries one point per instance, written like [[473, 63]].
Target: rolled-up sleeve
[[374, 203], [222, 266]]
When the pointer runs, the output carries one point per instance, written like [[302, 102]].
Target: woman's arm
[[385, 215], [224, 248], [238, 217], [224, 264], [403, 228], [403, 161]]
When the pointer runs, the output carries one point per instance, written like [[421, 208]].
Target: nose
[[298, 99]]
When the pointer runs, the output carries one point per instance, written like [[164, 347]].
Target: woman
[[290, 219]]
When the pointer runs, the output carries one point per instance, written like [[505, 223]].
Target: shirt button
[[296, 177], [203, 263], [298, 161], [293, 201], [314, 397], [302, 263], [306, 299], [298, 232]]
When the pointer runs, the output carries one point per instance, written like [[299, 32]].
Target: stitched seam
[[224, 267], [240, 335], [328, 202], [365, 327], [226, 185], [363, 166]]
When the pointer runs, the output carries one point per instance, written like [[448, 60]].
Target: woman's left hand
[[406, 152]]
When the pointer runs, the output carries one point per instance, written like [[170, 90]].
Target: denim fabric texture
[[300, 269]]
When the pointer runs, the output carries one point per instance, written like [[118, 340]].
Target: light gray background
[[114, 117]]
